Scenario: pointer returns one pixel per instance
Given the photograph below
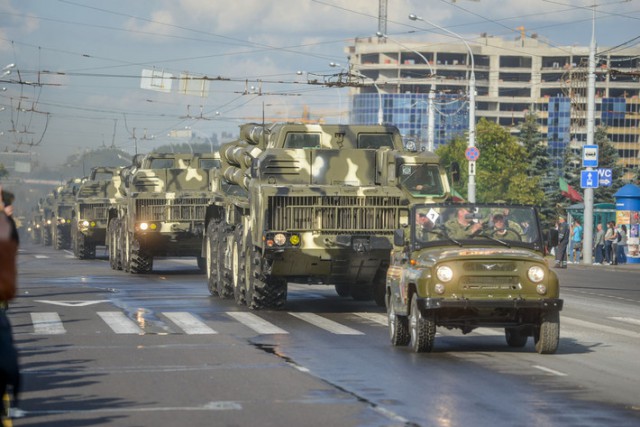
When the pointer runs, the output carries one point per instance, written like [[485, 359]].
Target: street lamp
[[432, 94], [471, 188]]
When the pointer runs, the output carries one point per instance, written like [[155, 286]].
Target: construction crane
[[382, 17]]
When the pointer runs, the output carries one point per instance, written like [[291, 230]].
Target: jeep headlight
[[444, 273], [536, 274]]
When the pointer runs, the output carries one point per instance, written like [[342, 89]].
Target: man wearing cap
[[563, 241]]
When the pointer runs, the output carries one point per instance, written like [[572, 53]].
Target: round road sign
[[472, 153]]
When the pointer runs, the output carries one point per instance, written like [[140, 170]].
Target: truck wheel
[[361, 292], [515, 337], [263, 290], [59, 244], [398, 326], [202, 263], [141, 262], [422, 328], [225, 282], [342, 289], [211, 263], [237, 267], [547, 334], [380, 285], [90, 250], [80, 246]]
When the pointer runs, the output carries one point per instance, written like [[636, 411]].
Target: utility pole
[[587, 251]]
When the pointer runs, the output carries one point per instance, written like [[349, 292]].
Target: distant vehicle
[[466, 266], [161, 211], [90, 212]]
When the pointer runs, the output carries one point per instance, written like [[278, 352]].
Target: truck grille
[[334, 214], [192, 209], [95, 211]]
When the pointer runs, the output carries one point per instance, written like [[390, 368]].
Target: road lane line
[[119, 323], [550, 371], [47, 324], [256, 323], [596, 326], [326, 324], [189, 323], [378, 318], [630, 320]]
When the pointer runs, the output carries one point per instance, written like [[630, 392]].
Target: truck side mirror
[[398, 237]]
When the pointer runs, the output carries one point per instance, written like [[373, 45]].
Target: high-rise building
[[513, 77]]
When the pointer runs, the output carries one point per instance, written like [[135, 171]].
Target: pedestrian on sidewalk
[[621, 256], [576, 238], [563, 241], [598, 245], [609, 237]]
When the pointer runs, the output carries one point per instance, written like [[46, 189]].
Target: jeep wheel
[[398, 326], [547, 335], [422, 328], [515, 337]]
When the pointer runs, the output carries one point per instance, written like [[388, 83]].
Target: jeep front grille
[[334, 214], [167, 210], [487, 283], [95, 211], [489, 266]]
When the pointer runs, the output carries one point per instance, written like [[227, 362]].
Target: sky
[[76, 82]]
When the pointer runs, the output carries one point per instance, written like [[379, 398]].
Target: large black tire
[[547, 334], [237, 267], [380, 285], [342, 289], [398, 326], [80, 246], [422, 328], [516, 337], [125, 248], [140, 261], [361, 292], [224, 232], [211, 246], [262, 290], [202, 263], [46, 236], [115, 245], [59, 243]]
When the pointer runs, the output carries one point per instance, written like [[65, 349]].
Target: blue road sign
[[590, 156], [605, 177], [589, 179]]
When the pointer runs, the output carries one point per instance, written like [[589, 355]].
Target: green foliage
[[501, 170], [3, 171]]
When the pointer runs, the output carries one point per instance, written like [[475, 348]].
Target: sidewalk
[[626, 267]]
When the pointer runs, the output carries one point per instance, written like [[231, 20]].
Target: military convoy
[[323, 204], [161, 211], [312, 204], [464, 266]]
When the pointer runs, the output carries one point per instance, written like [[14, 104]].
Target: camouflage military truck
[[311, 204], [45, 207], [90, 212], [35, 226], [64, 198], [162, 210], [466, 266]]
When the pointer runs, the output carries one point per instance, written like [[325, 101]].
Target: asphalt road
[[105, 348]]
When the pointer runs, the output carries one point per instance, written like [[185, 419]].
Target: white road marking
[[374, 317], [326, 324], [72, 303], [210, 406], [550, 371], [41, 256], [256, 323], [47, 324], [598, 327], [119, 323], [189, 323], [630, 320]]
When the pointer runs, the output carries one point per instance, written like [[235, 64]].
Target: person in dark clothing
[[563, 241]]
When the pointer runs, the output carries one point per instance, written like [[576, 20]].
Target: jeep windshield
[[473, 224]]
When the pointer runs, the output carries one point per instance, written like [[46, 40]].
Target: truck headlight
[[444, 273], [280, 239], [85, 223], [144, 226], [536, 274]]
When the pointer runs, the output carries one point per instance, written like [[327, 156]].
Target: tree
[[501, 169], [607, 158], [539, 165]]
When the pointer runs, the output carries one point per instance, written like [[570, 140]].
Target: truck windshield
[[464, 224], [421, 180]]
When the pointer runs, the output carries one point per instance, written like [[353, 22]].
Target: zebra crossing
[[50, 323]]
